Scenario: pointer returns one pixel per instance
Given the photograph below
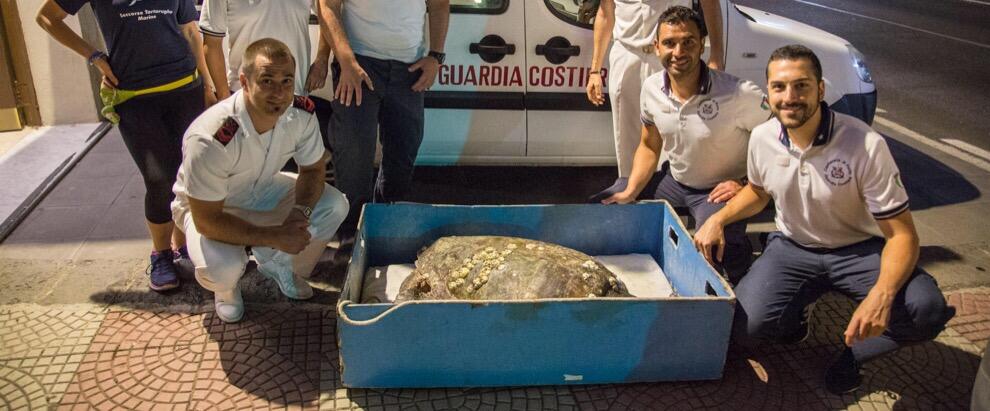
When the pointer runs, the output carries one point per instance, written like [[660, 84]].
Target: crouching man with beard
[[844, 224]]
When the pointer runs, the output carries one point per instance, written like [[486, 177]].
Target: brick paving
[[285, 357]]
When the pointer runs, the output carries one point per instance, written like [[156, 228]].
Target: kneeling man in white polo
[[844, 224]]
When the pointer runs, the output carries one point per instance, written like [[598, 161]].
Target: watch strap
[[307, 211], [437, 55]]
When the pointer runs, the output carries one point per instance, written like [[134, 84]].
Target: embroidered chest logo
[[838, 172], [708, 109]]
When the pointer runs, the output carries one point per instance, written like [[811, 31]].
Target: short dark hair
[[681, 14], [268, 47], [796, 52]]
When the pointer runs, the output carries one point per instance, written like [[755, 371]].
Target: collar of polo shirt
[[704, 80], [824, 133]]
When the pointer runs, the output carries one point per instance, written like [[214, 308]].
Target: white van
[[512, 89]]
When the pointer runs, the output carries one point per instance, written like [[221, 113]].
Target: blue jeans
[[738, 250], [788, 277], [392, 112]]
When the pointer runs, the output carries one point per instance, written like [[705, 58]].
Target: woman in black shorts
[[152, 87]]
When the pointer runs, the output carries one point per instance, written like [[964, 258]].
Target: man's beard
[[275, 108], [681, 71], [801, 117]]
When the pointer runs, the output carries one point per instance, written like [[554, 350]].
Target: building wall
[[62, 79]]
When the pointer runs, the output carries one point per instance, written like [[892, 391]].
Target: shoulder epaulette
[[227, 131], [304, 103]]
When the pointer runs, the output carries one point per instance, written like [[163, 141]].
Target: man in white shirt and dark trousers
[[383, 67], [230, 192], [844, 224], [701, 119]]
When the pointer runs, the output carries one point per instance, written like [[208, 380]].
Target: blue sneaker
[[162, 271], [183, 264]]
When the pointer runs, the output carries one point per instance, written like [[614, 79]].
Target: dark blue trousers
[[789, 277], [392, 112], [738, 250]]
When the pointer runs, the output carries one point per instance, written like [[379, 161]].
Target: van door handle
[[557, 50], [492, 48]]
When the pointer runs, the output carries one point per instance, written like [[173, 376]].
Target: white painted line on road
[[945, 148], [964, 146], [946, 36]]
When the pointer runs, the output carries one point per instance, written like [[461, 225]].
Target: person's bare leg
[[178, 238], [161, 235]]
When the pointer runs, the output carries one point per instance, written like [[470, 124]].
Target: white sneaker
[[293, 286], [229, 305]]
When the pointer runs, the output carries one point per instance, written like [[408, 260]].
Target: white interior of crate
[[639, 272]]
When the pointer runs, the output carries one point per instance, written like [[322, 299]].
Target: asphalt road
[[930, 59]]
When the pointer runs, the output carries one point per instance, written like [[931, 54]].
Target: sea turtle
[[506, 268]]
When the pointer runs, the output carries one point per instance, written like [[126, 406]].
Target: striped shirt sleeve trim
[[211, 33], [883, 215]]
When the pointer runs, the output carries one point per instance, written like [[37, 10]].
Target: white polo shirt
[[249, 20], [636, 20], [223, 158], [831, 194], [386, 29], [705, 138]]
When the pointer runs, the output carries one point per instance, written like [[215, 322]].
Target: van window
[[580, 13], [479, 6]]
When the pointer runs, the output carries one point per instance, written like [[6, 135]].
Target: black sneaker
[[617, 187], [162, 271], [842, 376]]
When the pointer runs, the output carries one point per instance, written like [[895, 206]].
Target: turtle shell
[[506, 268]]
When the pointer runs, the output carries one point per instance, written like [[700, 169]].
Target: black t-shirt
[[146, 45]]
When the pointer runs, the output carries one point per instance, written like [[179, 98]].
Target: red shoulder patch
[[304, 103], [227, 131]]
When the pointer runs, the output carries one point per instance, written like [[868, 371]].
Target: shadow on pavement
[[937, 254], [273, 357], [192, 298], [929, 182]]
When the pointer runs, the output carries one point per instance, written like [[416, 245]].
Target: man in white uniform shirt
[[844, 224], [701, 119], [230, 193], [383, 67], [633, 24]]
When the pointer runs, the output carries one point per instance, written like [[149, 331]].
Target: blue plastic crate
[[534, 342]]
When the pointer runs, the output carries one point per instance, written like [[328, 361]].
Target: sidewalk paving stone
[[41, 349], [284, 356]]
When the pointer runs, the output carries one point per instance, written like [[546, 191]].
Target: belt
[[111, 97], [647, 49]]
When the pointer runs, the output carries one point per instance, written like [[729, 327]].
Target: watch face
[[439, 56]]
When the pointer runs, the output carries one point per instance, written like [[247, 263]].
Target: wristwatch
[[305, 210], [437, 55], [96, 55]]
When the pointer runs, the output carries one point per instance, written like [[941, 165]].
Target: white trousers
[[220, 265], [627, 70]]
